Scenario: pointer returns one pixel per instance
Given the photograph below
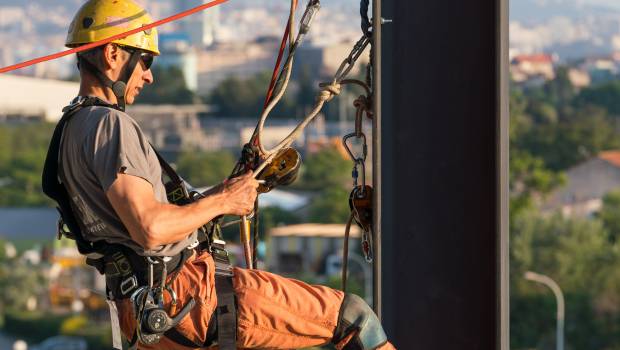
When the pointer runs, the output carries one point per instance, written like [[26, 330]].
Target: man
[[114, 180]]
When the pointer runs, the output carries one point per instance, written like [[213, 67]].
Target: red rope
[[274, 75], [115, 37]]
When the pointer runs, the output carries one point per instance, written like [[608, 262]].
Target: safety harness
[[143, 279]]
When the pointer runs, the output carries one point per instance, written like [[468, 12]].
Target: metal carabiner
[[362, 192], [350, 152]]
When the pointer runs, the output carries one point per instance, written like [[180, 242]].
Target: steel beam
[[443, 174]]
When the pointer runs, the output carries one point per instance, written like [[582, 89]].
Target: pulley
[[282, 171]]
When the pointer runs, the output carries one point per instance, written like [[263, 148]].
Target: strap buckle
[[129, 284]]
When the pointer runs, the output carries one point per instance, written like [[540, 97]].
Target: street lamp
[[559, 297]]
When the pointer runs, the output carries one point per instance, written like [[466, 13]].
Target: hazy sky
[[614, 3]]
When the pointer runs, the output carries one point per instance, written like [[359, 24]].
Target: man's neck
[[88, 88]]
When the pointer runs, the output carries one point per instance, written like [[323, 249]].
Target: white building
[[177, 51], [242, 60], [26, 98], [172, 128], [201, 27], [586, 185], [305, 247]]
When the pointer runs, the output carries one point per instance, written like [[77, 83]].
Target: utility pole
[[559, 298]]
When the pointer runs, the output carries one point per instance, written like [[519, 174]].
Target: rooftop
[[314, 230], [612, 157]]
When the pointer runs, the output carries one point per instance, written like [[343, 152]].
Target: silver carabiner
[[350, 152], [362, 192]]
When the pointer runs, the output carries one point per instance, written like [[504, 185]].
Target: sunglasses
[[147, 58]]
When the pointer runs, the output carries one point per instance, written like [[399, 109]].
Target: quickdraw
[[361, 197]]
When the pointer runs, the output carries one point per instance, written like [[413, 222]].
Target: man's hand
[[239, 194]]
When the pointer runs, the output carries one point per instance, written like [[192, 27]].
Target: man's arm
[[152, 224]]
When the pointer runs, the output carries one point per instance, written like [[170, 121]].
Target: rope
[[286, 37], [327, 93], [112, 38], [255, 235], [345, 252]]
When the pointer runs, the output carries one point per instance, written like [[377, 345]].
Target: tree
[[169, 87], [606, 96], [330, 206], [610, 214], [235, 97], [205, 168], [324, 169], [560, 91], [577, 255], [22, 154]]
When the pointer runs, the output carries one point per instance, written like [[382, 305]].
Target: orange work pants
[[273, 312]]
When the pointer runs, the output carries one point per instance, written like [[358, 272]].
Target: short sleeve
[[118, 146]]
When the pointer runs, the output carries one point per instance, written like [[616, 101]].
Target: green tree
[[610, 214], [205, 168], [560, 91], [577, 255], [169, 87], [606, 96], [236, 97], [324, 169], [22, 154], [18, 283], [330, 206]]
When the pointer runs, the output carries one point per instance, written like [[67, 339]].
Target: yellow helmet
[[100, 19]]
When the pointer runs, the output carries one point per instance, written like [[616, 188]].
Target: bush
[[73, 324], [22, 324]]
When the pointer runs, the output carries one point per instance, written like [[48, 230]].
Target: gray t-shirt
[[97, 144]]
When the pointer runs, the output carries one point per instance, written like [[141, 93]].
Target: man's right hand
[[239, 194]]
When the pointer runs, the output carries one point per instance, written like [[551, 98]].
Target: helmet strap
[[118, 87]]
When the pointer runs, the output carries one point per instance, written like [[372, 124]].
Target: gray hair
[[95, 56]]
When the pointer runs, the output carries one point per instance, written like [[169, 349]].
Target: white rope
[[327, 93]]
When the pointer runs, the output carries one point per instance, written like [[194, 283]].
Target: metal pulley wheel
[[360, 202], [282, 171]]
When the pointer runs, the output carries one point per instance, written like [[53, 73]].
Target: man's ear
[[112, 56]]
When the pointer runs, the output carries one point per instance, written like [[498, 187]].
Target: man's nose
[[148, 76]]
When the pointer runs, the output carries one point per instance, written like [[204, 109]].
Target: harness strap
[[226, 310]]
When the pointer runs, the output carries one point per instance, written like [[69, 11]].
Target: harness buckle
[[129, 284]]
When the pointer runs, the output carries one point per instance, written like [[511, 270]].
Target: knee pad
[[358, 322]]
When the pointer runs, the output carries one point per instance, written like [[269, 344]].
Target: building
[[323, 60], [526, 67], [172, 128], [177, 51], [579, 78], [201, 27], [601, 69], [34, 99], [241, 60], [305, 247], [587, 183]]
